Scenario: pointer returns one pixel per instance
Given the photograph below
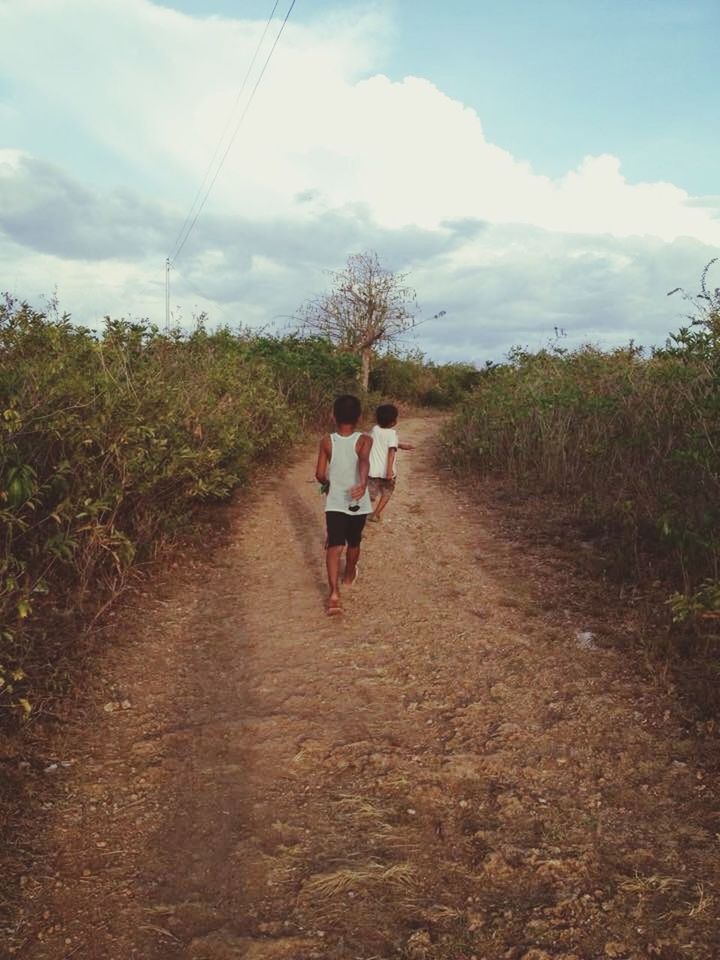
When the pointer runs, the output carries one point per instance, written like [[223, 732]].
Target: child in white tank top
[[342, 468]]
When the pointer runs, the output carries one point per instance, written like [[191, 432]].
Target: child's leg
[[375, 495], [375, 487], [354, 532], [386, 491], [335, 543], [332, 562], [351, 559]]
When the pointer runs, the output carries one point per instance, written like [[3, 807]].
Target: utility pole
[[167, 294]]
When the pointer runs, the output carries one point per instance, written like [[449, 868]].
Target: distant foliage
[[410, 378], [309, 372], [632, 441]]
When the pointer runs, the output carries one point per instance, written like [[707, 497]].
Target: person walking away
[[342, 468], [383, 458]]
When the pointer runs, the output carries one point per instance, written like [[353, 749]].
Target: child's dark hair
[[386, 414], [347, 409]]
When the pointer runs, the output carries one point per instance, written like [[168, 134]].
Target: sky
[[531, 166]]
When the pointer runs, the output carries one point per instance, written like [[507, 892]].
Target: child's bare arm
[[390, 473], [406, 446], [363, 447], [324, 452]]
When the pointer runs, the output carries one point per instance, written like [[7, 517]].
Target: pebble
[[585, 639]]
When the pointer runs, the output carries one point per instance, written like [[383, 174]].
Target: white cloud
[[331, 159]]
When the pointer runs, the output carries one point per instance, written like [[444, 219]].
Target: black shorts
[[343, 528]]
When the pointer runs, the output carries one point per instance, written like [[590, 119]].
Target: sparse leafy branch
[[367, 306]]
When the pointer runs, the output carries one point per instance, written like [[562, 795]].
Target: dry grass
[[368, 876], [651, 884]]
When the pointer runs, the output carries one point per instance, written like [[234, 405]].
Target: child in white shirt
[[383, 472]]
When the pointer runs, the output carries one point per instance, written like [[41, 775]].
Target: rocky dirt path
[[444, 772]]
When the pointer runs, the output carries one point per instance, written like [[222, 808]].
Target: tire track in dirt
[[440, 774]]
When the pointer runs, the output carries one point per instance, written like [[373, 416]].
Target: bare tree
[[366, 307]]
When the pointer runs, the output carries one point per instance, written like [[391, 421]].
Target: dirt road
[[443, 772]]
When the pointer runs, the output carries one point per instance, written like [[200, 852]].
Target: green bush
[[309, 372], [631, 441], [410, 378], [108, 441]]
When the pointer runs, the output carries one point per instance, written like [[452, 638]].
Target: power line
[[210, 165], [234, 135], [235, 132]]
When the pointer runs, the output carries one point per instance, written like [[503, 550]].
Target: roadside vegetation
[[629, 439], [109, 441]]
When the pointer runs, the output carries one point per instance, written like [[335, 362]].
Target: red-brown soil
[[450, 770]]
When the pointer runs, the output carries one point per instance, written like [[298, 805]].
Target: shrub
[[631, 441], [107, 441], [410, 378], [309, 372]]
